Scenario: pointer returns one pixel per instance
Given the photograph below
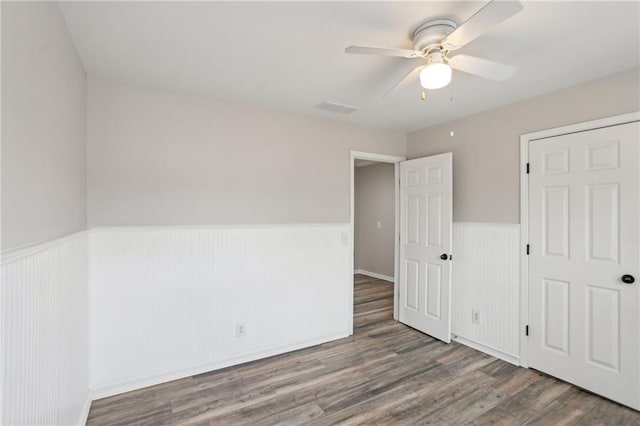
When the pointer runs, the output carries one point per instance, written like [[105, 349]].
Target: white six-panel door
[[425, 245], [584, 232]]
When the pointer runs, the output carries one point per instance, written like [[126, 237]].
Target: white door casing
[[383, 158], [425, 236], [584, 236]]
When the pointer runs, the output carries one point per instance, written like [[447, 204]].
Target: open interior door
[[425, 245]]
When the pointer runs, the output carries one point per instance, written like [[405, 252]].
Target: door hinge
[[527, 249], [527, 168], [450, 257], [526, 330]]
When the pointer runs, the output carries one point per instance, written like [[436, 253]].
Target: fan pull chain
[[451, 107], [423, 95]]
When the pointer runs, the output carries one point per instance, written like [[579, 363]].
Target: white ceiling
[[290, 55]]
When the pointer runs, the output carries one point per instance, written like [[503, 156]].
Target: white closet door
[[425, 245], [584, 236]]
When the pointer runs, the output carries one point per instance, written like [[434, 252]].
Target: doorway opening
[[374, 236]]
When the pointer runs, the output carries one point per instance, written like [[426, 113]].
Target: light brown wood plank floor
[[385, 374]]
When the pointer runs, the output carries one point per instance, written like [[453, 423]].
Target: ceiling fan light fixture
[[436, 75], [435, 38]]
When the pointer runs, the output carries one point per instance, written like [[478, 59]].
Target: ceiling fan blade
[[406, 80], [483, 20], [482, 67], [383, 51]]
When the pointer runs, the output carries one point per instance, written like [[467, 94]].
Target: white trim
[[396, 249], [138, 228], [383, 158], [371, 156], [374, 275], [524, 239], [118, 388], [491, 225], [84, 413], [2, 325], [510, 358], [17, 253], [525, 139], [584, 126]]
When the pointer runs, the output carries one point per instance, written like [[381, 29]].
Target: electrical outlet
[[241, 329], [475, 316]]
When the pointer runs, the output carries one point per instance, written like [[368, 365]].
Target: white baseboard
[[114, 389], [511, 359], [84, 413], [373, 275]]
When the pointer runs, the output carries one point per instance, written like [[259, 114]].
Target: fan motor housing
[[431, 33]]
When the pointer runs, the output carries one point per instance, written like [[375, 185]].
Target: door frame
[[525, 139], [382, 158]]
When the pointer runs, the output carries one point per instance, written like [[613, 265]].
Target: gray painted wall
[[375, 202], [486, 146], [43, 126], [160, 158]]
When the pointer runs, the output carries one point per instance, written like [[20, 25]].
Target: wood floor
[[385, 374]]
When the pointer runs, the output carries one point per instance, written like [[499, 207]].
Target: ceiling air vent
[[336, 107]]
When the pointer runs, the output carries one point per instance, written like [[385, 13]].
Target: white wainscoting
[[165, 302], [486, 277], [44, 333]]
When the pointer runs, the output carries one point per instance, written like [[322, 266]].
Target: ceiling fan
[[434, 40]]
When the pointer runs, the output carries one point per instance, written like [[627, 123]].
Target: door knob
[[444, 256], [628, 279]]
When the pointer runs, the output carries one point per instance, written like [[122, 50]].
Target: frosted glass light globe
[[435, 75]]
